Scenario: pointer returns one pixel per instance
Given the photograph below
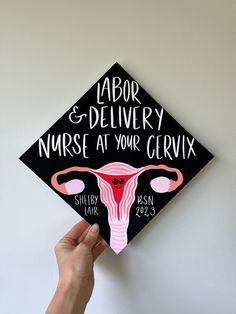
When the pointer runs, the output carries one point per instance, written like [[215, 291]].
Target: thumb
[[92, 236]]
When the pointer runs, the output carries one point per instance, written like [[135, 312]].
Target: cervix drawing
[[117, 182]]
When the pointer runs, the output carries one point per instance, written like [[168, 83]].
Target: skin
[[76, 253]]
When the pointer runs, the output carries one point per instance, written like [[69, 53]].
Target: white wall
[[183, 53]]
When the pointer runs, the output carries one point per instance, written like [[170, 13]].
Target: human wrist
[[75, 292], [69, 298], [68, 282]]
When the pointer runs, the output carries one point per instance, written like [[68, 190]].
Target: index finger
[[77, 230]]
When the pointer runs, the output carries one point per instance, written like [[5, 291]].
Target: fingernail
[[94, 228]]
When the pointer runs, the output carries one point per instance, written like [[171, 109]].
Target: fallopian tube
[[117, 182]]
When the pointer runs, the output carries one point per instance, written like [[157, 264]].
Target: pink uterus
[[117, 182]]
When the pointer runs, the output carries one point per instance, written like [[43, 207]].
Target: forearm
[[68, 299]]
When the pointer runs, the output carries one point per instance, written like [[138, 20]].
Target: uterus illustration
[[117, 182]]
